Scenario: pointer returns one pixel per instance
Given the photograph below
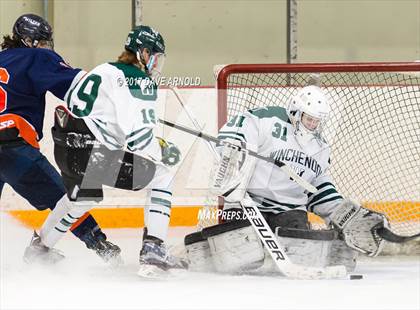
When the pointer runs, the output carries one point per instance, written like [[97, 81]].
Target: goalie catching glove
[[358, 227]]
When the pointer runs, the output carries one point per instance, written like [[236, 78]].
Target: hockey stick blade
[[388, 235], [278, 254], [289, 171]]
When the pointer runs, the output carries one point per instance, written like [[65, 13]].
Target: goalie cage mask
[[310, 101]]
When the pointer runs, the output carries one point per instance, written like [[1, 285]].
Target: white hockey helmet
[[308, 111]]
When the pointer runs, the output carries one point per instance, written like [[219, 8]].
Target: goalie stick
[[190, 115], [389, 236], [278, 254], [290, 172], [383, 232]]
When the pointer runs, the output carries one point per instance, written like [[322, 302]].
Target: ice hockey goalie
[[291, 135]]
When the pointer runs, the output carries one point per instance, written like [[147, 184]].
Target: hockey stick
[[190, 115], [290, 172], [389, 236]]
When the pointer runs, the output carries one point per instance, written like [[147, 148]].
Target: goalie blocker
[[234, 247]]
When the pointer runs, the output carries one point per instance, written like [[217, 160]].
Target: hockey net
[[373, 128]]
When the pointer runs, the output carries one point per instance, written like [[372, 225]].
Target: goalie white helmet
[[308, 112]]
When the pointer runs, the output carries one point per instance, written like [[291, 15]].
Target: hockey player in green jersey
[[291, 135], [106, 137]]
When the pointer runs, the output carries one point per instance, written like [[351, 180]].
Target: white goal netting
[[373, 128]]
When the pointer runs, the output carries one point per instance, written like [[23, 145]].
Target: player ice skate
[[29, 67], [106, 137], [293, 136]]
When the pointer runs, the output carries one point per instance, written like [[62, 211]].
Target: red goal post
[[373, 128]]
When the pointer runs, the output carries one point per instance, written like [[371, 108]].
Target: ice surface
[[82, 281]]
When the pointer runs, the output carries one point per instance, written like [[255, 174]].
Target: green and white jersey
[[117, 103], [269, 131]]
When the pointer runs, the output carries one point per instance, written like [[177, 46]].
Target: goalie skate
[[156, 262], [37, 252]]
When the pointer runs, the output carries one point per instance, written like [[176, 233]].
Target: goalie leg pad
[[198, 253], [313, 248], [234, 246], [319, 248], [308, 247], [341, 254]]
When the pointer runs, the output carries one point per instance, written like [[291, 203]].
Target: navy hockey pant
[[32, 176]]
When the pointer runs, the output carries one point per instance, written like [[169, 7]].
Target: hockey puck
[[356, 277]]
